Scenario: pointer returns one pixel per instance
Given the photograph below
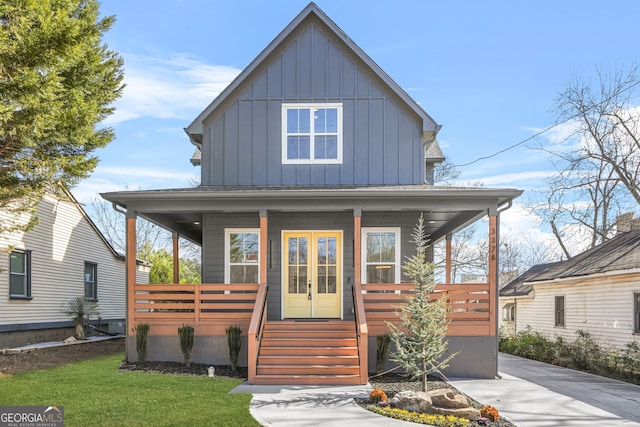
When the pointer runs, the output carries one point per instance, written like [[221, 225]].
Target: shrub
[[142, 332], [490, 412], [234, 340], [186, 343], [81, 310], [377, 396], [382, 351], [529, 344]]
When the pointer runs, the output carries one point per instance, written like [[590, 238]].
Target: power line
[[517, 144]]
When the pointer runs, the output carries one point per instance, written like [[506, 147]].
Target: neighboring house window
[[636, 309], [509, 312], [559, 311], [311, 133], [20, 274], [91, 280], [242, 256], [381, 255]]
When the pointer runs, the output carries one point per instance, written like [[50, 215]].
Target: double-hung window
[[636, 312], [242, 256], [312, 133], [381, 255], [559, 310], [20, 274], [91, 280], [509, 312]]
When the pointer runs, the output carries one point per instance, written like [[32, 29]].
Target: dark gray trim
[[51, 325]]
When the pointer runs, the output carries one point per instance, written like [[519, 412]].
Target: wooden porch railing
[[254, 337], [362, 332], [210, 307], [469, 305]]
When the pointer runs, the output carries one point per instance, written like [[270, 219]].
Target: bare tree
[[607, 123]]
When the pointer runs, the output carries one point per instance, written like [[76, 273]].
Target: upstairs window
[[90, 281], [242, 256], [20, 274], [311, 133]]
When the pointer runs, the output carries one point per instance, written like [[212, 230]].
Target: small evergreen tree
[[420, 341]]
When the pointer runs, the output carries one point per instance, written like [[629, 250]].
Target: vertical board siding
[[381, 140], [60, 244], [603, 307]]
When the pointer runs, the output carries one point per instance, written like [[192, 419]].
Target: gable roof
[[196, 128], [517, 286], [620, 253]]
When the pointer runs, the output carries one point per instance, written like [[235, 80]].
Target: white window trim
[[94, 285], [287, 161], [227, 246], [564, 312], [27, 275], [363, 246]]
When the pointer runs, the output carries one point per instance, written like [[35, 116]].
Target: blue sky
[[488, 71]]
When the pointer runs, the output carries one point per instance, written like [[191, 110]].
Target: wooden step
[[300, 325], [308, 379], [309, 342], [351, 360], [308, 333], [325, 370], [309, 351]]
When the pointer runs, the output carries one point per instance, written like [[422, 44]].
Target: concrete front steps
[[308, 352]]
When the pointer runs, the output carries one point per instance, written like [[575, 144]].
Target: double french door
[[312, 285]]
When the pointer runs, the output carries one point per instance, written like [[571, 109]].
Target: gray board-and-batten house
[[315, 168]]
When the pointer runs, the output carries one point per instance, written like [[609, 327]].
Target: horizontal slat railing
[[194, 303], [468, 306]]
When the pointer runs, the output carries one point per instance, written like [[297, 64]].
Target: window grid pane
[[244, 257], [311, 133]]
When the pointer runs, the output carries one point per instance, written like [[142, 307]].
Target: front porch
[[205, 216]]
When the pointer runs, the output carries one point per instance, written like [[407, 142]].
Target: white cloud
[[510, 178], [178, 87]]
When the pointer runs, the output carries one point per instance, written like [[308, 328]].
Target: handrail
[[362, 331], [254, 335]]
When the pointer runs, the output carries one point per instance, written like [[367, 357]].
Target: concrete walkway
[[536, 394], [530, 394], [313, 406]]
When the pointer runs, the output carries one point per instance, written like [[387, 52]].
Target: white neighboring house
[[64, 256], [597, 291]]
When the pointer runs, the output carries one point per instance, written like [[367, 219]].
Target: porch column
[[357, 217], [176, 258], [448, 259], [493, 270], [264, 242], [130, 257]]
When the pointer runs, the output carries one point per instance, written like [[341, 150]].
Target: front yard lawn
[[95, 393]]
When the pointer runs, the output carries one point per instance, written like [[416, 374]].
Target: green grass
[[95, 393]]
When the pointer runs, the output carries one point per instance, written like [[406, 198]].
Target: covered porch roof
[[446, 209]]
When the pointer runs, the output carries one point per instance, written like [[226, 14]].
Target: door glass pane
[[303, 280], [293, 280], [302, 257], [331, 280], [322, 280], [331, 250], [293, 250], [322, 250]]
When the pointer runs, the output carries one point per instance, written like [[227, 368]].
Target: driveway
[[536, 394]]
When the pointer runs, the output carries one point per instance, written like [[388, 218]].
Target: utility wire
[[517, 143]]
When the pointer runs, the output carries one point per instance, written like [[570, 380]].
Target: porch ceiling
[[446, 209]]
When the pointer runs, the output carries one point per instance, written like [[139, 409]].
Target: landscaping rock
[[70, 340], [416, 401], [468, 413], [446, 398]]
